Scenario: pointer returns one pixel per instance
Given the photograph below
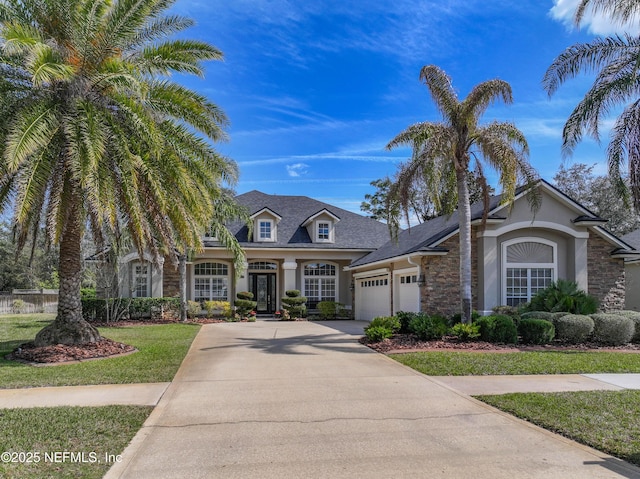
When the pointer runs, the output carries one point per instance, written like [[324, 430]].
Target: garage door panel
[[373, 298]]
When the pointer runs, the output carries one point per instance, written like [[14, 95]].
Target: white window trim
[[272, 230], [527, 239], [329, 224], [228, 276], [335, 277], [134, 277]]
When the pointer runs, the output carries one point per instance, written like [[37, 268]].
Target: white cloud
[[598, 24], [297, 169]]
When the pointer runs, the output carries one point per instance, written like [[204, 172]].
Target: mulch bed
[[60, 353], [405, 343], [105, 348]]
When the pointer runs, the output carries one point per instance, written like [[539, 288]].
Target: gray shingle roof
[[425, 236], [633, 239], [353, 231]]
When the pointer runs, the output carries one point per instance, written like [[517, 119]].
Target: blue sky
[[315, 89]]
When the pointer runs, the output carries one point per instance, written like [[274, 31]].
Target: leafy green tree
[[96, 137], [597, 194], [614, 61], [444, 152]]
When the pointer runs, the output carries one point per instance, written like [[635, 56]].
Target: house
[[297, 243], [515, 253], [332, 254], [632, 273]]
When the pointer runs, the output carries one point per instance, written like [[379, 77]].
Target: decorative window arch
[[529, 264], [211, 281], [262, 266], [320, 283]]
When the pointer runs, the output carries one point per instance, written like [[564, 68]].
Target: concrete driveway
[[305, 400]]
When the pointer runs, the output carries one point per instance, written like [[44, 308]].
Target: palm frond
[[441, 89]]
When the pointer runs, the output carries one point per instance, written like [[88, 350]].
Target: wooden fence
[[29, 301]]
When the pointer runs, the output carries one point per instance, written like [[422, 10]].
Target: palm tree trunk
[[69, 326], [182, 269], [464, 212]]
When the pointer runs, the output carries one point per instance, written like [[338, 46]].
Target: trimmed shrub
[[329, 309], [612, 329], [381, 327], [405, 318], [427, 327], [498, 329], [559, 314], [217, 308], [390, 322], [244, 304], [457, 318], [635, 317], [564, 295], [193, 309], [547, 316], [18, 306], [536, 331], [511, 311], [573, 328], [377, 333], [294, 304], [465, 332]]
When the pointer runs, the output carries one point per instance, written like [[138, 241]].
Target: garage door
[[407, 294], [373, 296]]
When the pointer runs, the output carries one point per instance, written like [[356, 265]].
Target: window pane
[[319, 269], [211, 269], [141, 281], [265, 230], [323, 231]]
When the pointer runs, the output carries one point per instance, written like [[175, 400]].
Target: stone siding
[[606, 274], [441, 293], [170, 280]]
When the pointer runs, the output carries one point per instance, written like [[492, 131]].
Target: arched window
[[211, 282], [320, 283], [140, 279], [529, 265]]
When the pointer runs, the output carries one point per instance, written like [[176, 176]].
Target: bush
[[564, 295], [465, 332], [573, 328], [18, 306], [88, 293], [559, 314], [390, 322], [193, 309], [612, 329], [294, 304], [376, 334], [536, 331], [117, 309], [635, 317], [427, 327], [329, 309], [546, 315], [244, 304], [217, 308], [497, 329], [511, 311], [457, 318], [405, 318]]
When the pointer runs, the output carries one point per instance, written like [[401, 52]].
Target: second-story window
[[324, 231], [265, 230]]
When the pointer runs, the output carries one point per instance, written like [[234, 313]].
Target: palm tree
[[444, 152], [96, 137], [615, 61]]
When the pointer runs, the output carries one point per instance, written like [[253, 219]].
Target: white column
[[581, 267], [290, 268], [489, 274], [242, 284]]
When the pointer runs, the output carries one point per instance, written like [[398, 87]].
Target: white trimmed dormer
[[321, 226], [265, 226]]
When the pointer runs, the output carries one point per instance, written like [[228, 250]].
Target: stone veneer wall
[[170, 280], [441, 293], [606, 274]]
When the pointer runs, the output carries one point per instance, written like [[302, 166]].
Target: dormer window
[[265, 230], [265, 224], [324, 230], [321, 226]]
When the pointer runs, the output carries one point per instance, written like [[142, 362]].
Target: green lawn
[[161, 351], [605, 420], [477, 364], [95, 436]]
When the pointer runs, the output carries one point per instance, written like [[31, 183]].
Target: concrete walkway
[[303, 400]]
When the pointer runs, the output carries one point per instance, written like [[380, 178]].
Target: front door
[[263, 287]]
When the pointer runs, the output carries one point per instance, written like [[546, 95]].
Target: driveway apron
[[306, 400]]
